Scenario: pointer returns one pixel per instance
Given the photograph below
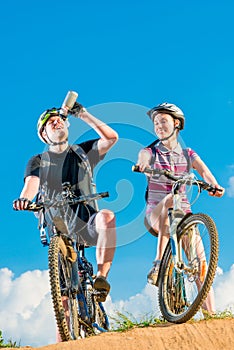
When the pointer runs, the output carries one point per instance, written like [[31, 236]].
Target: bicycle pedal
[[99, 292], [100, 295]]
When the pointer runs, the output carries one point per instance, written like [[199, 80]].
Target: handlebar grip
[[34, 207], [104, 194], [149, 171], [207, 187], [136, 168], [214, 189]]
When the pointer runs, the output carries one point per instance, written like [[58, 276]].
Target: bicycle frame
[[85, 272], [72, 270], [175, 215]]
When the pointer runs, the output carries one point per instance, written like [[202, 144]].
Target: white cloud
[[230, 189], [224, 287], [26, 312], [140, 306]]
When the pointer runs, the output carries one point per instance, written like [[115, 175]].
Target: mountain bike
[[189, 263], [77, 310]]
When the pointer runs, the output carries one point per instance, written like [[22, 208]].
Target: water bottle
[[69, 101]]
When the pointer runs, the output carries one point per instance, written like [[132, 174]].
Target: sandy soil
[[205, 335]]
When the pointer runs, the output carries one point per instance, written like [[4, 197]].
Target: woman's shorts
[[147, 224]]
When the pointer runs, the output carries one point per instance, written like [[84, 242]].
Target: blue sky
[[122, 58]]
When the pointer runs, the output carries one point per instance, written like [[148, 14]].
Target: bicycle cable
[[190, 179]]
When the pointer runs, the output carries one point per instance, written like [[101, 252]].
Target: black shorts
[[89, 234], [84, 232]]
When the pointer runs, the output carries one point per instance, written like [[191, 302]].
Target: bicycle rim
[[183, 292], [63, 298]]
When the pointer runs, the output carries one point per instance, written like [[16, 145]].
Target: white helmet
[[169, 108], [44, 117]]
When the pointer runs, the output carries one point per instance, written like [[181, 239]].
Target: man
[[46, 172]]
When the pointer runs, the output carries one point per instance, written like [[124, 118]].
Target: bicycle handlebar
[[200, 183], [150, 171], [36, 206]]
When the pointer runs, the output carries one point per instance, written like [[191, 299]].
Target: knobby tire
[[60, 283], [169, 293]]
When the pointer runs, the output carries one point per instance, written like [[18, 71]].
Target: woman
[[167, 153]]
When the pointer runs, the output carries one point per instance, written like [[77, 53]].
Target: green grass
[[126, 321], [218, 315], [9, 344]]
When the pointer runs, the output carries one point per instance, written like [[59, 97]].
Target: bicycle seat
[[60, 225]]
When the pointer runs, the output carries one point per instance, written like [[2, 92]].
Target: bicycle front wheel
[[63, 296], [183, 290]]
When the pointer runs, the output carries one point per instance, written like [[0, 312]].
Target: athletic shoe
[[152, 276], [102, 287]]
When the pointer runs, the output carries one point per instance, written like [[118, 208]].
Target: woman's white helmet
[[168, 108]]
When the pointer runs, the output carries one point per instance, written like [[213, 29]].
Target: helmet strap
[[168, 137], [51, 143], [58, 143]]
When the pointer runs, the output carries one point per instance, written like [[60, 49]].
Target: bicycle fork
[[175, 215], [194, 248]]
